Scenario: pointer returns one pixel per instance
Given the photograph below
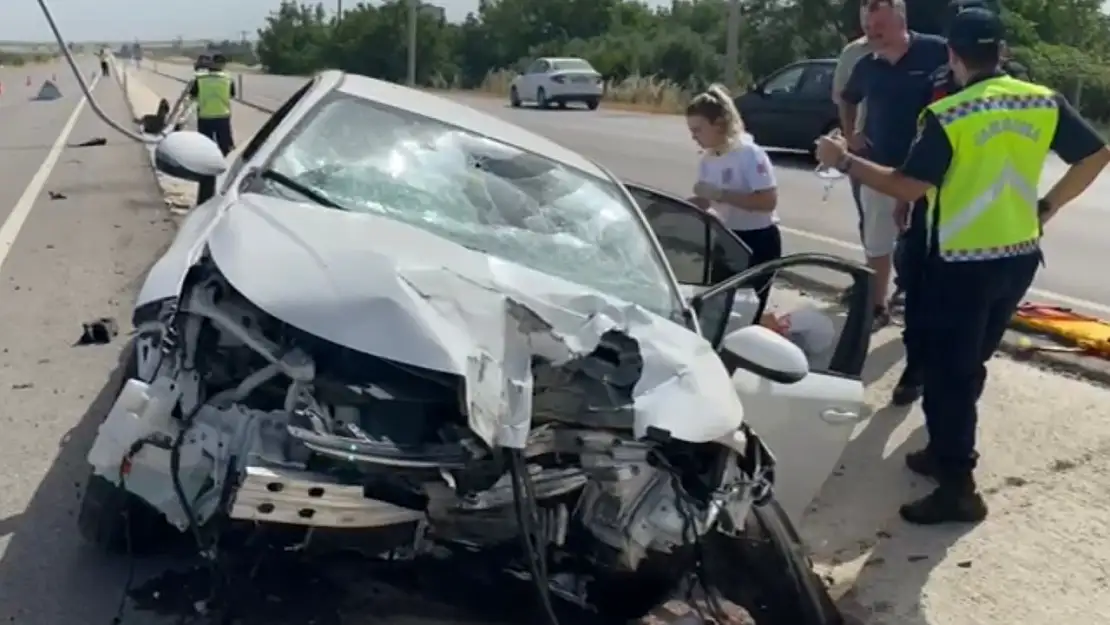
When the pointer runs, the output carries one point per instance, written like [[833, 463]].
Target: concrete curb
[[1089, 368], [121, 78], [174, 198]]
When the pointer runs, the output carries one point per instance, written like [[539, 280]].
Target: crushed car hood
[[388, 289]]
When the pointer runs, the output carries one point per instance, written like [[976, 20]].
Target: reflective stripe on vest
[[213, 96], [1000, 131]]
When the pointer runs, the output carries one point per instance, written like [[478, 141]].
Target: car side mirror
[[190, 156], [767, 354]]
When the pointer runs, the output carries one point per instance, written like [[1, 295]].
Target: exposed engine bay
[[237, 415]]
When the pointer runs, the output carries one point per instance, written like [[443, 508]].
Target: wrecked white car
[[400, 315]]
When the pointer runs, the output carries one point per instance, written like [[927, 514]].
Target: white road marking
[[18, 215], [1058, 298]]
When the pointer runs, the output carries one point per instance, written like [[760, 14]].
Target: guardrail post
[[240, 90]]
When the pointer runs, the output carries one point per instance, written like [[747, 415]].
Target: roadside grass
[[645, 94], [14, 59]]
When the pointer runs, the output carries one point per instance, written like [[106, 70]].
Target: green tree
[[295, 39], [1064, 42]]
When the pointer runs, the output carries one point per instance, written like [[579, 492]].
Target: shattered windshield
[[479, 193]]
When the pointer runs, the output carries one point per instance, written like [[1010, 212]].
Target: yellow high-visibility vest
[[213, 95], [1001, 130]]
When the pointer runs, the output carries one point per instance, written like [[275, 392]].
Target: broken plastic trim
[[64, 47]]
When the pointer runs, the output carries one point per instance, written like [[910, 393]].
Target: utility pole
[[338, 10], [732, 44], [413, 6]]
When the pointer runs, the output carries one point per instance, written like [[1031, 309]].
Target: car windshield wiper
[[309, 192]]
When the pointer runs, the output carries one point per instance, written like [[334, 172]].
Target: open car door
[[807, 424]]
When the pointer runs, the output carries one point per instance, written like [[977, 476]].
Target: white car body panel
[[317, 249], [807, 425], [571, 84]]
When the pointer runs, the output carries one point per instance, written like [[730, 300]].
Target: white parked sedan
[[558, 81], [403, 317]]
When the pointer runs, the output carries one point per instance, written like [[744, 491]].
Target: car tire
[[118, 522], [514, 98], [113, 519], [541, 98], [767, 572], [593, 103], [562, 104]]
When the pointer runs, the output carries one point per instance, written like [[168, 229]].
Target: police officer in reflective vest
[[910, 253], [213, 91], [977, 159]]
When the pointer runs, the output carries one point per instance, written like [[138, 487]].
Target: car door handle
[[839, 416]]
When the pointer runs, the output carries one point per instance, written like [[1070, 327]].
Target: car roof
[[453, 113], [563, 58]]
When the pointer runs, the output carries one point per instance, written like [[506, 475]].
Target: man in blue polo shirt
[[897, 82]]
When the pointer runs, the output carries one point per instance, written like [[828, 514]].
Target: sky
[[157, 20], [123, 20]]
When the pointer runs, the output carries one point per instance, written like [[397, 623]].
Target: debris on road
[[48, 93], [155, 123], [91, 143], [98, 332], [55, 195]]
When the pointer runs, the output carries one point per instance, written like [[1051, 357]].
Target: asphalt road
[[76, 258], [657, 149]]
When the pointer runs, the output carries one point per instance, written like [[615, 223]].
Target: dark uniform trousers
[[909, 265], [964, 309], [219, 130]]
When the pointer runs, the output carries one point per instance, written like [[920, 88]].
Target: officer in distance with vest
[[213, 91], [977, 159]]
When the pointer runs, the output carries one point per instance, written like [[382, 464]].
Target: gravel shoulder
[[1043, 556]]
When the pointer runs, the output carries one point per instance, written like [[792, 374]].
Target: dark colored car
[[793, 106]]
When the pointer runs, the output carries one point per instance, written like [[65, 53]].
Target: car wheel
[[113, 519], [514, 98], [767, 572], [541, 98], [593, 103]]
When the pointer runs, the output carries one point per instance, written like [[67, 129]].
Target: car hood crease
[[394, 291]]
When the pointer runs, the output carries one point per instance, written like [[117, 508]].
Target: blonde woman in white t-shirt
[[736, 180]]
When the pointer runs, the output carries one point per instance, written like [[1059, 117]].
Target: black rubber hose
[[524, 506]]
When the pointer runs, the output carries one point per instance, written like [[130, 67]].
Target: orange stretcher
[[1090, 335]]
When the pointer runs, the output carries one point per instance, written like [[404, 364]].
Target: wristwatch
[[845, 163]]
